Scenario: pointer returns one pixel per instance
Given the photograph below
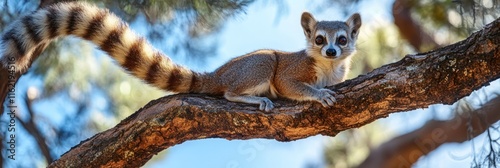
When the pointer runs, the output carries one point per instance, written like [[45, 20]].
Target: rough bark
[[417, 81], [405, 150], [7, 82]]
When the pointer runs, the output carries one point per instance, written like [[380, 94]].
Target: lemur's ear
[[308, 23], [354, 22]]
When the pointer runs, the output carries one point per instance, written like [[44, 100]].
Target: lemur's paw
[[326, 97], [266, 104]]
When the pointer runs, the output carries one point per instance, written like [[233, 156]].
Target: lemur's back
[[295, 75]]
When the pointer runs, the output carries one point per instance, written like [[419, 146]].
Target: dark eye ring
[[319, 40], [342, 40]]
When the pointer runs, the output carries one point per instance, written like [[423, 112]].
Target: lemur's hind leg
[[264, 103]]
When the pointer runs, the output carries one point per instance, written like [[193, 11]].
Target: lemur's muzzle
[[331, 52]]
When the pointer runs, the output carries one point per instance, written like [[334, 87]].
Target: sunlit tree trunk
[[405, 150]]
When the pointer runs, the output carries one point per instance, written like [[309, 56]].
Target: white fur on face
[[331, 42]]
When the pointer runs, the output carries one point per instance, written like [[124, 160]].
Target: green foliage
[[379, 44], [185, 28], [201, 17], [460, 17]]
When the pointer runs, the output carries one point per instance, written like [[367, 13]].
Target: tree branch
[[417, 81], [409, 28], [30, 126], [7, 82], [405, 150]]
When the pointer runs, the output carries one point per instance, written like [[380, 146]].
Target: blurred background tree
[[86, 91], [417, 26]]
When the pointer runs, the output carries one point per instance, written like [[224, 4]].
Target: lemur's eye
[[342, 40], [319, 40]]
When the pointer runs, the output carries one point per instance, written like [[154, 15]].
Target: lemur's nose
[[331, 52]]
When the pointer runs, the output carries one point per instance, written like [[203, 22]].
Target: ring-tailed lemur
[[252, 78]]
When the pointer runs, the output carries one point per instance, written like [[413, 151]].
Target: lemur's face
[[331, 44], [331, 39]]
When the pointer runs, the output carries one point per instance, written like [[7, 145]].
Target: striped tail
[[27, 37]]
